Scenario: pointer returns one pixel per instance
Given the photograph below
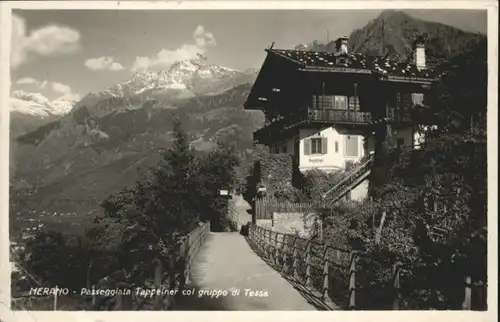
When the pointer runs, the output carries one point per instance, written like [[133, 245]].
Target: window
[[401, 142], [336, 147], [316, 146], [341, 102]]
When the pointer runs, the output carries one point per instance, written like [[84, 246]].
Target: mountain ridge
[[29, 111], [80, 143], [398, 30]]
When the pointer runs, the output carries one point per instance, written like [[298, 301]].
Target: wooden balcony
[[339, 116], [352, 120]]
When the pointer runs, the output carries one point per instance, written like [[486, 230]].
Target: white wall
[[333, 160]]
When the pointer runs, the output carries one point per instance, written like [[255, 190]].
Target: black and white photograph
[[225, 159]]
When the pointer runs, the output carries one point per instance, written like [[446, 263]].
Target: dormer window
[[341, 45], [342, 61]]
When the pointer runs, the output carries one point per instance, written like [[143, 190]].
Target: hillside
[[399, 32], [72, 163]]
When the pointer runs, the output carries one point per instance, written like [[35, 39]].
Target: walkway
[[226, 262]]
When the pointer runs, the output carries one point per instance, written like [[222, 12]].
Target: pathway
[[226, 262]]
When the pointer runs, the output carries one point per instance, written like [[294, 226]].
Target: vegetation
[[434, 202], [275, 172], [141, 223]]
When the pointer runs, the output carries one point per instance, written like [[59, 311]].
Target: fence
[[173, 276], [326, 272], [232, 215], [264, 207]]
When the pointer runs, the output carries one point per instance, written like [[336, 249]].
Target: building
[[320, 107]]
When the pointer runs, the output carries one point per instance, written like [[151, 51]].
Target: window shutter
[[324, 145], [307, 146], [398, 100], [407, 101]]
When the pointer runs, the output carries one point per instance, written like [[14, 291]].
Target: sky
[[66, 54]]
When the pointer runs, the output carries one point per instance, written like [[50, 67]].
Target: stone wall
[[291, 223]]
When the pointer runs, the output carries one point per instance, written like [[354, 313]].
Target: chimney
[[341, 46], [419, 53]]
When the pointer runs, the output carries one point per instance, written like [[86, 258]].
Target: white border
[[289, 316]]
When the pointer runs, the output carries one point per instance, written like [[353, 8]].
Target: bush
[[438, 246], [317, 182]]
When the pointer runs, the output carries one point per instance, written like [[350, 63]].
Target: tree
[[435, 199], [169, 202], [217, 171], [457, 102]]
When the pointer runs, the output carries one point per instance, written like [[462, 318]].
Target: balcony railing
[[398, 117], [341, 116], [328, 116]]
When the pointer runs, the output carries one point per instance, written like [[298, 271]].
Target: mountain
[[29, 111], [97, 148], [183, 80], [399, 30]]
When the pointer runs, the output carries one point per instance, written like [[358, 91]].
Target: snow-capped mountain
[[36, 104], [29, 111], [183, 79]]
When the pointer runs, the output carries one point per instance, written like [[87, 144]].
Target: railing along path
[[311, 264], [326, 272]]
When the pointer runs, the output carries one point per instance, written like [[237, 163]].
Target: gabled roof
[[281, 64], [390, 66]]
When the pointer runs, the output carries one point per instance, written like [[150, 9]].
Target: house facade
[[320, 107], [325, 148]]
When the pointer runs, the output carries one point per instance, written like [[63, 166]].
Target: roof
[[357, 63], [281, 65]]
